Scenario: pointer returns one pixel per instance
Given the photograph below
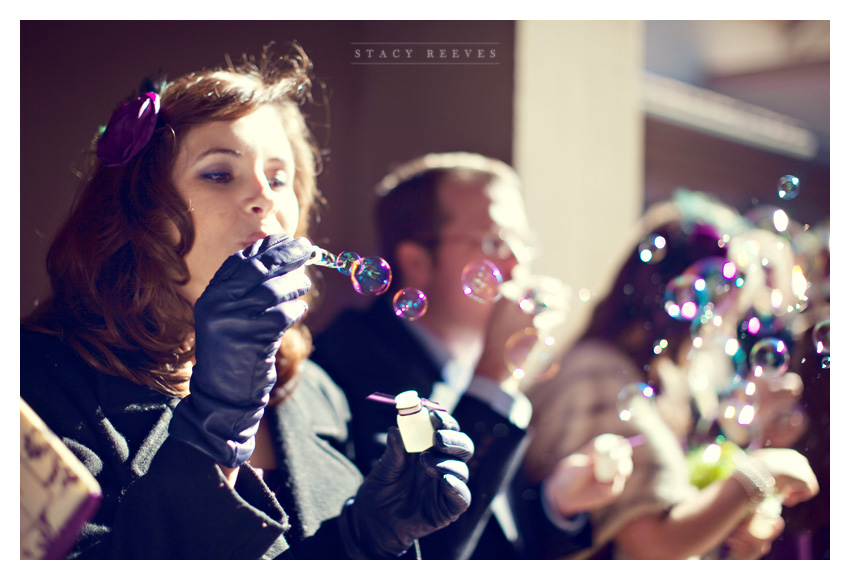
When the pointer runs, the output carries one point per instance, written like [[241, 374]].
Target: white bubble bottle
[[612, 455], [414, 422], [764, 518]]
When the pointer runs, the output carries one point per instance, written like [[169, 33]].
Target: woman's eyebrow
[[215, 150]]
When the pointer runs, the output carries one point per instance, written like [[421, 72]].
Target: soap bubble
[[410, 303], [769, 358], [348, 263], [372, 277], [719, 276], [528, 353], [820, 336], [481, 281], [631, 397], [788, 187], [685, 297], [652, 249], [737, 410]]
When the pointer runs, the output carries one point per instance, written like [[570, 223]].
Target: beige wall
[[578, 145]]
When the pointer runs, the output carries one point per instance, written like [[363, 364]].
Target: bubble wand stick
[[370, 275]]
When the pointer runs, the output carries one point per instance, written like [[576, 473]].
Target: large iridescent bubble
[[481, 281], [769, 358], [372, 277], [410, 303]]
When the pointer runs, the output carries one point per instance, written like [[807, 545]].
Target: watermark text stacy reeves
[[425, 53]]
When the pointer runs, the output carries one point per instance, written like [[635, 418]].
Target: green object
[[711, 462]]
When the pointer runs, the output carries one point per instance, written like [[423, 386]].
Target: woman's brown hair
[[116, 265]]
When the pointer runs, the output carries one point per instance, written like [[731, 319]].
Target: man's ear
[[415, 263]]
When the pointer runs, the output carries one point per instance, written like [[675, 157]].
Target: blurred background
[[600, 118]]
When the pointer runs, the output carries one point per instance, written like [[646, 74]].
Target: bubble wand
[[369, 275]]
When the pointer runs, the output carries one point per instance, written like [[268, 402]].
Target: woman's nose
[[261, 199]]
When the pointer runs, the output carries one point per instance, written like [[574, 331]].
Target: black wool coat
[[163, 498]]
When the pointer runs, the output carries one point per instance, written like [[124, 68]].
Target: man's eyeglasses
[[502, 244]]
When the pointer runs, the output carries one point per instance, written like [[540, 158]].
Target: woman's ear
[[415, 263]]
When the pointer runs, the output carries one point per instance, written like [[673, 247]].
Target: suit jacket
[[163, 498], [371, 350]]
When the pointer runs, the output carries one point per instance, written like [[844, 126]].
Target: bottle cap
[[408, 401]]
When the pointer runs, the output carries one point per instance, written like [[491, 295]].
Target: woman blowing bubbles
[[174, 321]]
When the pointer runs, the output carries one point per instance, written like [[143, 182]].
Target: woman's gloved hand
[[409, 495], [239, 321]]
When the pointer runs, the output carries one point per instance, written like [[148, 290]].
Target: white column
[[578, 147]]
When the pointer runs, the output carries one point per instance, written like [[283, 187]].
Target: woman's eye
[[218, 176], [279, 179]]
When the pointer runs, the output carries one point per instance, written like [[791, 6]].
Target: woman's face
[[236, 177]]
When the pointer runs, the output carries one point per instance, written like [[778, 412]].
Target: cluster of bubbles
[[372, 275], [693, 294], [369, 275], [730, 360], [530, 353]]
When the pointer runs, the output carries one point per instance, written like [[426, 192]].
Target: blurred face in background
[[483, 221]]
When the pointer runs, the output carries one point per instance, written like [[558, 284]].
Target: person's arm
[[700, 524], [572, 487]]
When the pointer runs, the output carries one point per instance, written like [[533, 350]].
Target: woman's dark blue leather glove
[[239, 321], [409, 495]]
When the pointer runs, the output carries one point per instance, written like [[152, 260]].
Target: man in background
[[435, 215]]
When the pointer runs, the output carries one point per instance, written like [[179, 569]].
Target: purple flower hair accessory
[[129, 130]]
